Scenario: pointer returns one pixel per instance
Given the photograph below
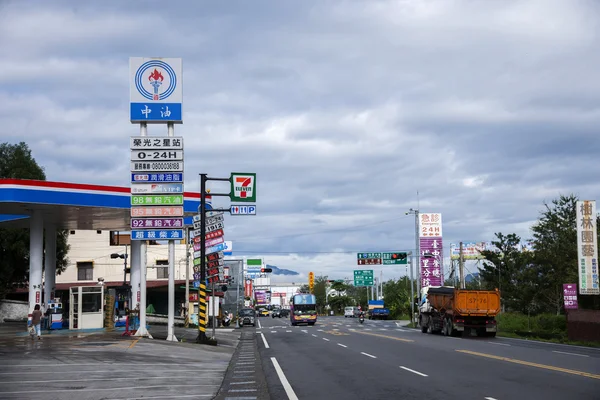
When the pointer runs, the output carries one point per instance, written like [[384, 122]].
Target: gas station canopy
[[72, 206]]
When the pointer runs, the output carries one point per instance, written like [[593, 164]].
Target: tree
[[555, 246], [509, 269], [16, 162], [396, 294], [339, 287], [319, 290]]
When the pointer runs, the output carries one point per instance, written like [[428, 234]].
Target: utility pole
[[187, 277], [412, 293]]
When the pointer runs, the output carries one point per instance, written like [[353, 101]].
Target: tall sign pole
[[243, 189], [156, 167]]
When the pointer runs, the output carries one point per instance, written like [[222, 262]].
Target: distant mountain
[[472, 277], [281, 271]]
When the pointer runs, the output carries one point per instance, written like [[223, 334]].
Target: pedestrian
[[36, 321]]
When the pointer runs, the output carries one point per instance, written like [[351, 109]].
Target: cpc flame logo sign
[[155, 80]]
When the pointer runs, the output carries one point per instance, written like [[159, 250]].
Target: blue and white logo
[[156, 89], [150, 76]]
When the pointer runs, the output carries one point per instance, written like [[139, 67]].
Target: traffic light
[[398, 256], [266, 270]]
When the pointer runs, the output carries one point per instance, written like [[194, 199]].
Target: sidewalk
[[99, 364]]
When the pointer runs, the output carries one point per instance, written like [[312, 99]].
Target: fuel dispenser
[[55, 314]]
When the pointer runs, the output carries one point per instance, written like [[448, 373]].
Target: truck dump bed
[[465, 302]]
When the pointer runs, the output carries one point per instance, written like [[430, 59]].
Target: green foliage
[[511, 271], [337, 303], [543, 325], [319, 290], [16, 162], [396, 295], [555, 245]]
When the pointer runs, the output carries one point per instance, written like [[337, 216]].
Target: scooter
[[227, 319], [361, 318]]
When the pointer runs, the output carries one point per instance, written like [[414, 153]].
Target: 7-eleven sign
[[243, 187]]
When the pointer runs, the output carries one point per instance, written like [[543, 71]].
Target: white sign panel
[[587, 247], [149, 166], [156, 142], [155, 90], [149, 188], [430, 225], [156, 155], [228, 249]]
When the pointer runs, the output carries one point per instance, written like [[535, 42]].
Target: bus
[[303, 309]]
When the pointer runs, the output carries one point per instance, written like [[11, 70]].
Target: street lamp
[[417, 260]]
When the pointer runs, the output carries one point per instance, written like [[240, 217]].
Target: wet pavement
[[106, 365]]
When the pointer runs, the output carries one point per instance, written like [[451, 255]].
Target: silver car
[[247, 316]]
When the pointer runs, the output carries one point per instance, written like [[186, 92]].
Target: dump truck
[[452, 312]]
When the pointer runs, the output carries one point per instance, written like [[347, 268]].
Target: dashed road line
[[413, 371], [368, 355], [343, 345], [571, 354], [264, 340]]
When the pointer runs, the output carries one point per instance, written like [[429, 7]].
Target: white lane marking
[[304, 330], [110, 388], [264, 340], [367, 329], [242, 383], [241, 390], [326, 339], [259, 325], [571, 354], [413, 371], [400, 330], [288, 331], [286, 385], [367, 354], [335, 329], [273, 331], [489, 398], [343, 345], [500, 344], [314, 335]]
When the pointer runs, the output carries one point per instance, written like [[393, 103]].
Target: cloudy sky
[[344, 109]]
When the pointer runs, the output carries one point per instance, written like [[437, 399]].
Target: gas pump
[[55, 316], [121, 304]]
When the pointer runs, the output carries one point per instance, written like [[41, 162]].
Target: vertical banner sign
[[156, 187], [155, 92], [432, 256], [570, 296], [248, 288], [587, 247], [311, 281], [243, 187]]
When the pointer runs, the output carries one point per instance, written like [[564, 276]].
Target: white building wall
[[95, 247]]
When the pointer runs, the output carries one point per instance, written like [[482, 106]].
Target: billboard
[[587, 247], [472, 250], [431, 248]]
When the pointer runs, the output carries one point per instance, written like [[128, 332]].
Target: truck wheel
[[423, 327]]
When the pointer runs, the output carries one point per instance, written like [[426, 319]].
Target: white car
[[351, 312]]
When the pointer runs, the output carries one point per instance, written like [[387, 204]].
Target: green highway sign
[[361, 256], [395, 258], [363, 277]]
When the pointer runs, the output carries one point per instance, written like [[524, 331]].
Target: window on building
[[162, 269], [85, 271]]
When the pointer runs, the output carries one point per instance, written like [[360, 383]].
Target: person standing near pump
[[36, 321]]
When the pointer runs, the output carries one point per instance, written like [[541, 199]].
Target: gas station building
[[84, 210]]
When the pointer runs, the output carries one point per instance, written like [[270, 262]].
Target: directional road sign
[[395, 258], [363, 277]]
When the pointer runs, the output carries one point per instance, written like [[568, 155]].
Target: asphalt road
[[339, 358]]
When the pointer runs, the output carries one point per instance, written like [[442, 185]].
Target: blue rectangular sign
[[216, 248], [155, 112], [243, 210], [157, 177], [165, 234]]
